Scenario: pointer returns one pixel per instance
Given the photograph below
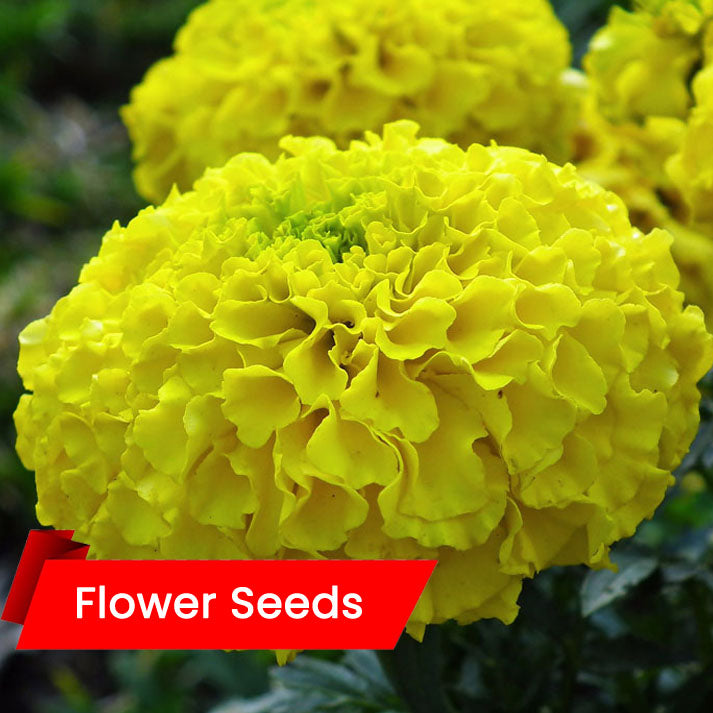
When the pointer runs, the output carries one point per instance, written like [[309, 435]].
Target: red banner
[[67, 602]]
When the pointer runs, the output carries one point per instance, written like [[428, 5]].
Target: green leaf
[[603, 587], [313, 674], [679, 572], [310, 685], [366, 664]]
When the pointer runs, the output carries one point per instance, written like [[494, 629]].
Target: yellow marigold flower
[[401, 350], [630, 159], [639, 63], [246, 72], [649, 127], [691, 168]]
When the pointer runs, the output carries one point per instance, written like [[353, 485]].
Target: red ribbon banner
[[68, 602]]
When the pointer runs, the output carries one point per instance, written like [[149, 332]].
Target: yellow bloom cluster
[[246, 72], [650, 127], [691, 168], [401, 350], [640, 62]]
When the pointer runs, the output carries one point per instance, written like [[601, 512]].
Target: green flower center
[[278, 220], [322, 224]]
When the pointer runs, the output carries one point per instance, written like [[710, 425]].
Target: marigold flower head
[[246, 72], [649, 121], [639, 64], [399, 350], [691, 167]]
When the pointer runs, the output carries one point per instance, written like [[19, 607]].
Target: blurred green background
[[641, 640]]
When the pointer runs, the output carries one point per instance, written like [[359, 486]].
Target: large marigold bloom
[[401, 350], [649, 126], [246, 72]]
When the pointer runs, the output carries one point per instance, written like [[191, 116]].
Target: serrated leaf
[[290, 701], [309, 673], [309, 685], [366, 664], [680, 572], [268, 703], [604, 586]]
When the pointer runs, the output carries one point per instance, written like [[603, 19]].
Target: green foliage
[[357, 684], [63, 162], [606, 586], [160, 682]]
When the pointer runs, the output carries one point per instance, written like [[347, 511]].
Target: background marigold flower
[[399, 350], [649, 123], [246, 72]]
